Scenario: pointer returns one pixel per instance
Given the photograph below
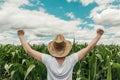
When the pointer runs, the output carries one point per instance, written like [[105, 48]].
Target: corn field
[[102, 63]]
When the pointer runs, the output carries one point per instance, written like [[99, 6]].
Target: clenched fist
[[100, 31], [20, 32]]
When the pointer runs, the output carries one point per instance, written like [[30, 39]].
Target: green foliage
[[102, 63]]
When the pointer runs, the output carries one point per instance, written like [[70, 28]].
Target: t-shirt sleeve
[[74, 58], [45, 58]]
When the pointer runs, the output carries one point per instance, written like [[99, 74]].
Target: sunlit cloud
[[42, 24]]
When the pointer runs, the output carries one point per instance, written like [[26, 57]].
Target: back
[[55, 71]]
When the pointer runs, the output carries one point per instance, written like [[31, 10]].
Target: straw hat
[[59, 47]]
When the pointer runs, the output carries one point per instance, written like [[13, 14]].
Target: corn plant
[[102, 63]]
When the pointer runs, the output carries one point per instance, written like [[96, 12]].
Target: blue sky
[[43, 19], [59, 8]]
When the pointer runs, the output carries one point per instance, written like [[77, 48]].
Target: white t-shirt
[[56, 71]]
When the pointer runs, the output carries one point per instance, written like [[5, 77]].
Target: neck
[[60, 60]]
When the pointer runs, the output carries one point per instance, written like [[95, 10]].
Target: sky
[[76, 19]]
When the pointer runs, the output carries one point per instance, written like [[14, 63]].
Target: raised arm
[[91, 45], [28, 49]]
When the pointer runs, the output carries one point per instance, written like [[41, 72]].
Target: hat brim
[[61, 53]]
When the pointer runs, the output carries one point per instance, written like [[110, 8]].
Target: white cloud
[[72, 1], [96, 26], [113, 30], [37, 22], [107, 13], [103, 2], [69, 0], [84, 34], [117, 35], [86, 2], [17, 17], [71, 15], [15, 3], [109, 17], [6, 38]]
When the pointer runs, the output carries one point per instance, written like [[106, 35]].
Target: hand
[[100, 31], [20, 32]]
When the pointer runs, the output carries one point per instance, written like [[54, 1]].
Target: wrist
[[99, 35], [20, 35]]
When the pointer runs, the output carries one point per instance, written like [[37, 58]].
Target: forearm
[[28, 49], [93, 42], [24, 43], [91, 45]]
